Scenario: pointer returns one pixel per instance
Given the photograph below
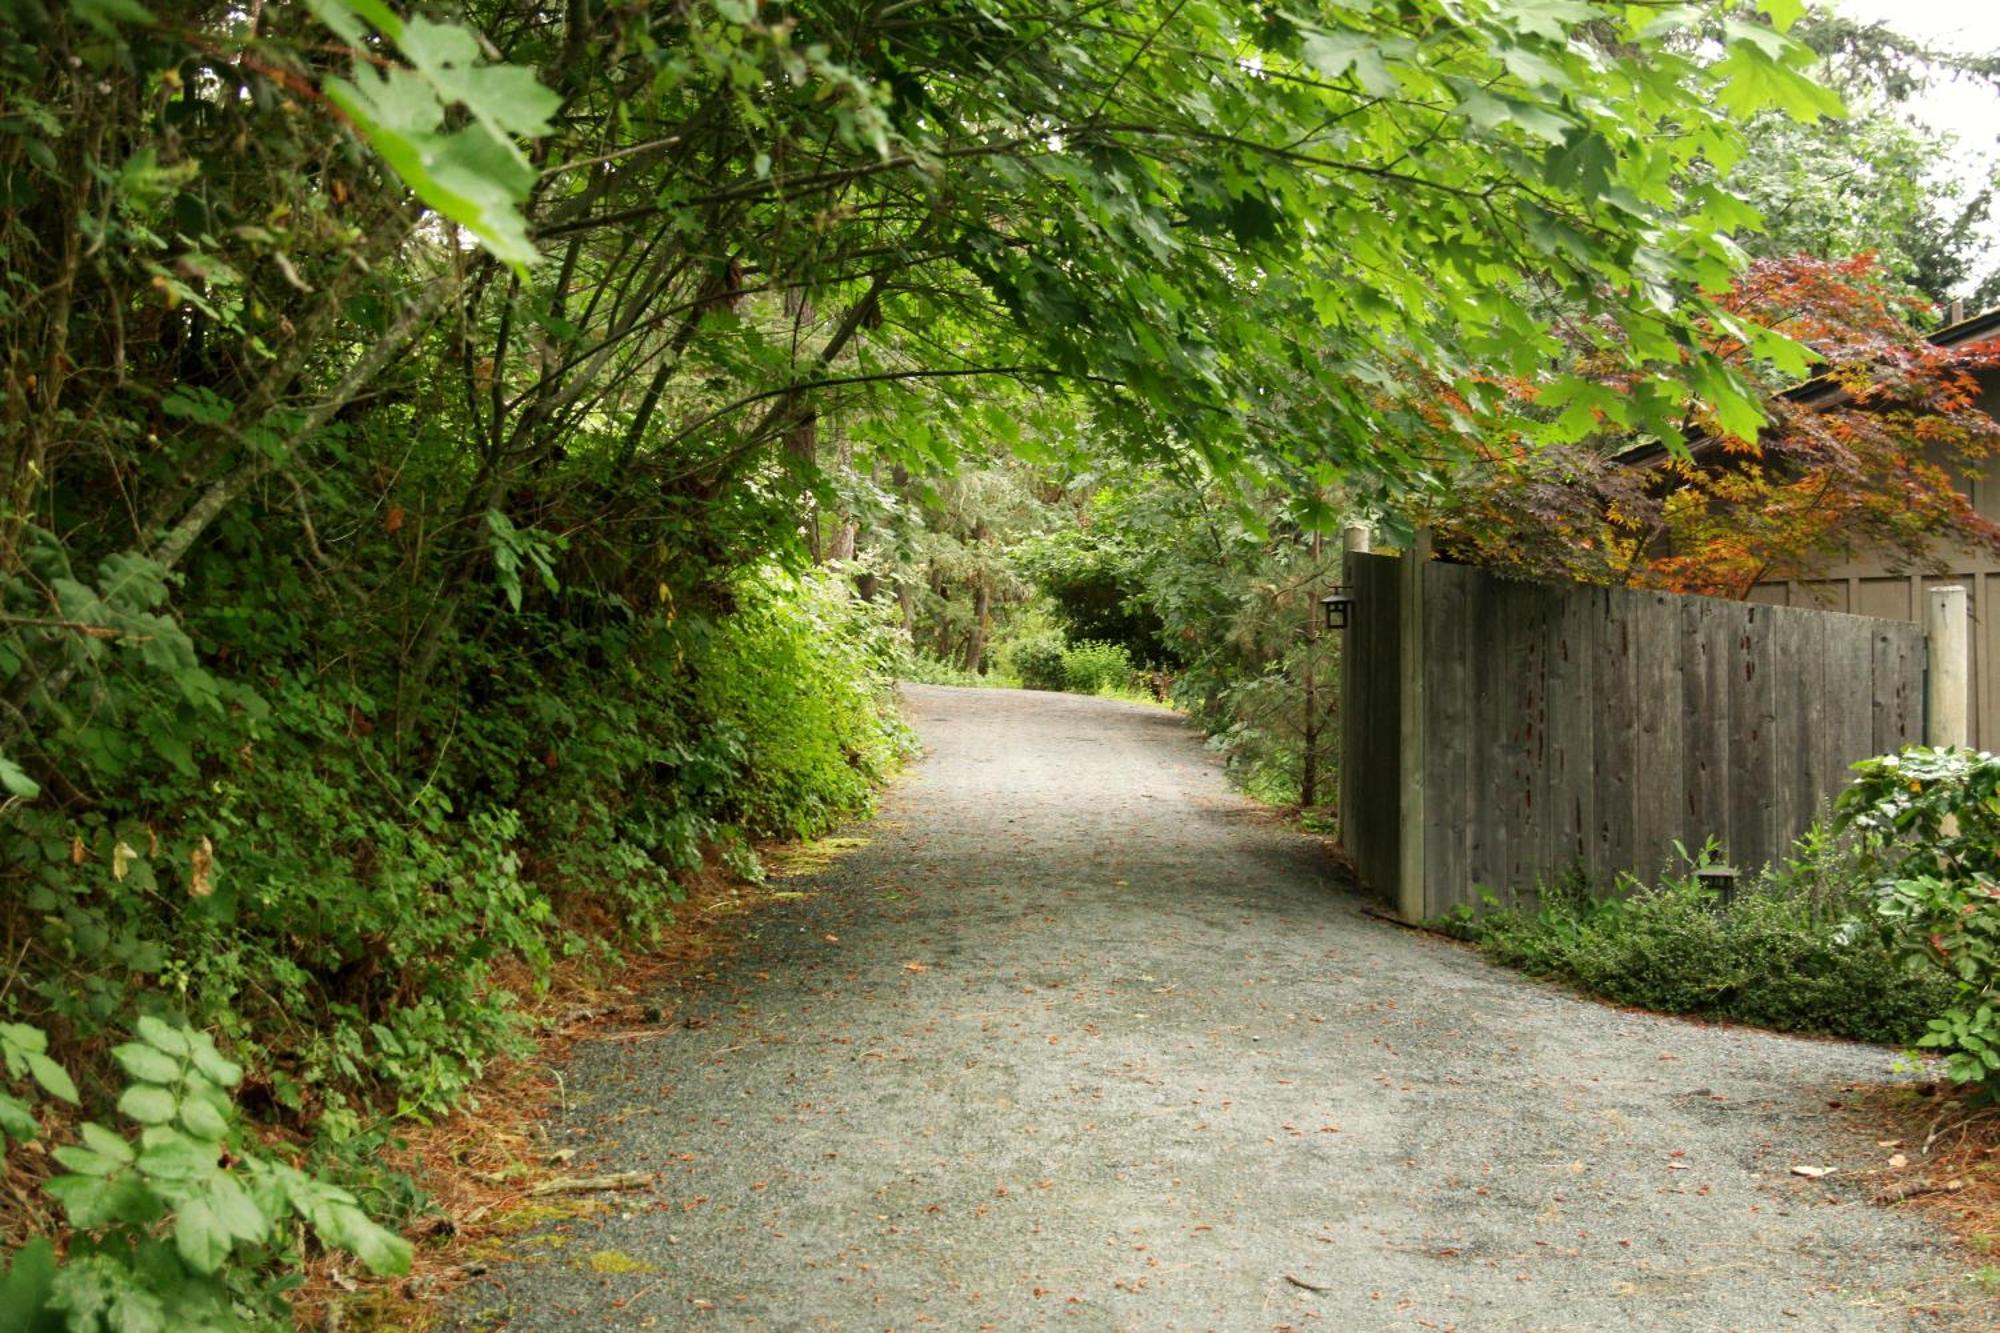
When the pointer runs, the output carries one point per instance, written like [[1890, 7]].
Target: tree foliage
[[1928, 819], [1869, 180], [1868, 455]]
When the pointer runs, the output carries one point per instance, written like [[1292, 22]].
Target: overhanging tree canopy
[[1240, 237]]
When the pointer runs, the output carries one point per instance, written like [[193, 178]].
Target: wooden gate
[[1499, 732]]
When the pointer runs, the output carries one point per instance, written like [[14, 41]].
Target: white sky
[[1971, 112]]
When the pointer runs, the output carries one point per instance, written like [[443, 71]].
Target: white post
[[1355, 537], [1947, 627]]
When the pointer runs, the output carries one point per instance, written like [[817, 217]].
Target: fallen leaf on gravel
[[915, 967], [831, 938], [1812, 1172], [1898, 1162]]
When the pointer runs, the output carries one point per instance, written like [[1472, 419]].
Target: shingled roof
[[1825, 390]]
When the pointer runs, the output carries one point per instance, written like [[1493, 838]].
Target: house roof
[[1824, 389]]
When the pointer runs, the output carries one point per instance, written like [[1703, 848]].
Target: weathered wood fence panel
[[1371, 709], [1567, 728]]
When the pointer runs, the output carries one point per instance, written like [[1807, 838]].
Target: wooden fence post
[[1354, 539], [1946, 629], [1411, 659]]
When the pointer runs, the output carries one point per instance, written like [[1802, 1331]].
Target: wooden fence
[[1499, 733]]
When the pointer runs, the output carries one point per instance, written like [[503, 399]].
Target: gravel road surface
[[1080, 1040]]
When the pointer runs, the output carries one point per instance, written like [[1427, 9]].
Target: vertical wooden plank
[[1614, 737], [1985, 724], [1413, 589], [1514, 692], [1449, 654], [1525, 630], [1660, 669], [1354, 701], [1849, 686], [1882, 706], [1911, 655], [1573, 704], [1354, 704], [1752, 829], [1553, 799], [1553, 795], [1705, 701], [1947, 677], [1897, 713], [1550, 795], [1545, 811], [1388, 727], [1794, 783], [1382, 826], [1486, 832], [1823, 771], [1369, 716]]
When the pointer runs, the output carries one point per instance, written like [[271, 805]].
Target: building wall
[[1869, 586]]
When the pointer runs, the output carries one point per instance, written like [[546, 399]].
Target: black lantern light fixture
[[1337, 604]]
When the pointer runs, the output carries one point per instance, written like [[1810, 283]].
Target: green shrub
[[1257, 723], [924, 669], [1046, 662], [340, 914], [798, 673], [1089, 668], [1040, 661], [191, 1224], [1931, 823], [1777, 956]]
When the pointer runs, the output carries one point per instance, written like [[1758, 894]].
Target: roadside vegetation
[[1878, 926], [1793, 950], [1882, 925]]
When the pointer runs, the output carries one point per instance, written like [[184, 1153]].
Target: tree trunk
[[840, 545], [982, 608], [982, 620]]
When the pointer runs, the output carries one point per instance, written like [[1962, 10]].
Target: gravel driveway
[[1080, 1040]]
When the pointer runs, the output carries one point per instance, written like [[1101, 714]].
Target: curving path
[[1080, 1040]]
